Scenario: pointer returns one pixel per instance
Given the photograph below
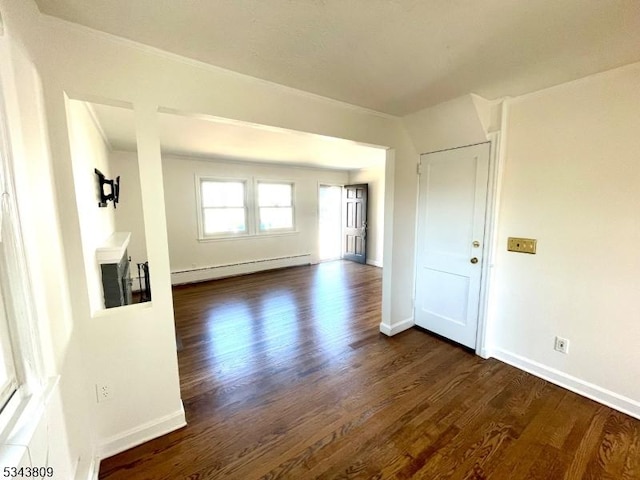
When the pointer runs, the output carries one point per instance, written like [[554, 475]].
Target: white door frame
[[327, 184], [496, 162]]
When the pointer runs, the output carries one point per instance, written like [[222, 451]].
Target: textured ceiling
[[209, 137], [394, 56]]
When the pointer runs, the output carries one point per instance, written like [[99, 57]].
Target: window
[[8, 379], [244, 207], [223, 207], [275, 206], [20, 354]]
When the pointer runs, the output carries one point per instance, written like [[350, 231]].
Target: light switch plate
[[522, 245]]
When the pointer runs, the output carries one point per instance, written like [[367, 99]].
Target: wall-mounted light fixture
[[109, 189]]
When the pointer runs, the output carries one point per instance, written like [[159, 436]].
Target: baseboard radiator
[[202, 274]]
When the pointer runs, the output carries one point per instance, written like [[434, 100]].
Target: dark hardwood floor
[[285, 375]]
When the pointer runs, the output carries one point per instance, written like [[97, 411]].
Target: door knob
[[474, 260]]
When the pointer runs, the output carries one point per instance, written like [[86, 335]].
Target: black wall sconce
[[109, 189]]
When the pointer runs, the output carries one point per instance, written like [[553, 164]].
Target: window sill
[[249, 237], [23, 422]]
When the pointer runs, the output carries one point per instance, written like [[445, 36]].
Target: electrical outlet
[[561, 345], [104, 392]]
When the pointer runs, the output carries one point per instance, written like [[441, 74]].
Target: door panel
[[355, 231], [451, 217], [442, 291]]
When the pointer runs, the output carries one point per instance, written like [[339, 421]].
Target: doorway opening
[[330, 222]]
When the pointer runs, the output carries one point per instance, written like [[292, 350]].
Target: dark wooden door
[[355, 230]]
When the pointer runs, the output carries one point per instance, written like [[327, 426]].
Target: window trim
[[251, 206], [20, 312], [200, 179], [8, 390], [273, 231]]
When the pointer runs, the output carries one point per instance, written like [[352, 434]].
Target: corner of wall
[[450, 124], [394, 329], [489, 113]]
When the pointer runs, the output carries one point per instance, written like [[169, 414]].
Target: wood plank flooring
[[285, 375]]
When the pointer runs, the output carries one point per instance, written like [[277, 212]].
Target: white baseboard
[[391, 330], [142, 433], [581, 387], [241, 268], [485, 353], [375, 263]]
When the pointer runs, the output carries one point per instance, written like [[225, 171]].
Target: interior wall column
[[153, 203]]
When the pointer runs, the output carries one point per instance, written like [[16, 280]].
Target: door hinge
[[419, 169]]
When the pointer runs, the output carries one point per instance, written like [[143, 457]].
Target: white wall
[[187, 252], [572, 180], [374, 176], [89, 151], [129, 216]]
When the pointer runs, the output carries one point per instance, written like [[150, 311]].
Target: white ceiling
[[209, 137], [394, 56]]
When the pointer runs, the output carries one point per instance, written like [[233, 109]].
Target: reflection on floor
[[265, 322]]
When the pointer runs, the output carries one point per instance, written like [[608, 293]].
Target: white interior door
[[450, 243]]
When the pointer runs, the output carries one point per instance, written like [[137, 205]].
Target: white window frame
[[251, 206], [271, 231], [11, 386], [247, 220], [19, 318]]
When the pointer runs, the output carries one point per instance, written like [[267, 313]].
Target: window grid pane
[[224, 220], [272, 218], [222, 194], [274, 194]]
